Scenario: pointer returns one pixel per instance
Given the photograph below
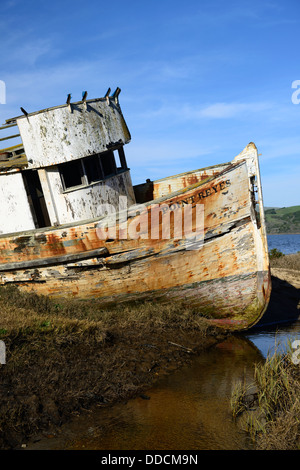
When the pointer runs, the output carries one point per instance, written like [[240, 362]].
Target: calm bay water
[[286, 243]]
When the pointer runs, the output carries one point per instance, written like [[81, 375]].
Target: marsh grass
[[30, 318], [279, 260], [272, 414], [238, 400], [66, 355], [46, 312]]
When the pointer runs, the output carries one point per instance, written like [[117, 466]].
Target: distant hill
[[282, 219]]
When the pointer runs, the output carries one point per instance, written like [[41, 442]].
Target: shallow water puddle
[[187, 410]]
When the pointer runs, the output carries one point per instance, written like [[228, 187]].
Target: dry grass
[[285, 261], [67, 355], [271, 414], [44, 309]]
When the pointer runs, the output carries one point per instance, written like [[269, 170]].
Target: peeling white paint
[[15, 214], [83, 202], [64, 133]]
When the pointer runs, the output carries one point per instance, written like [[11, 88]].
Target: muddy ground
[[52, 373], [57, 379]]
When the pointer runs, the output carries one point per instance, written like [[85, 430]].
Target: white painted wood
[[48, 195], [83, 202], [66, 133], [15, 214]]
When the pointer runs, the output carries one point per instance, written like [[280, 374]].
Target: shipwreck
[[73, 225]]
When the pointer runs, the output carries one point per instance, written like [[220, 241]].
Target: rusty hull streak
[[75, 239], [167, 185], [227, 279]]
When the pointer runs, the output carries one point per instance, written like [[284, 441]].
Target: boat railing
[[14, 156]]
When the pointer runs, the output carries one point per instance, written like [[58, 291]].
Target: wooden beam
[[84, 96], [9, 137], [7, 126], [17, 161], [35, 263], [24, 111], [116, 94], [14, 148]]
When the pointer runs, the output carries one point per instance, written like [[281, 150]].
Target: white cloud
[[212, 111], [230, 110], [156, 159]]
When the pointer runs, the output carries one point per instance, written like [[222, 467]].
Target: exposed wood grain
[[223, 272]]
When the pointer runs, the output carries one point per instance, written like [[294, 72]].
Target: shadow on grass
[[283, 305]]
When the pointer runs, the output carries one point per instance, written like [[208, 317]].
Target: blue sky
[[199, 79]]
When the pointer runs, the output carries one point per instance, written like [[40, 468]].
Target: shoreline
[[284, 233]]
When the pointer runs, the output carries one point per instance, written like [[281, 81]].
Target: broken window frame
[[65, 167], [122, 160], [85, 173], [108, 164]]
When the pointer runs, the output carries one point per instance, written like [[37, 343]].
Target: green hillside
[[282, 219]]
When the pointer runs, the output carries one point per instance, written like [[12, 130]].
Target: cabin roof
[[13, 121], [104, 128]]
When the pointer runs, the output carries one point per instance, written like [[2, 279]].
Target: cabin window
[[72, 174], [108, 164], [121, 165], [92, 169]]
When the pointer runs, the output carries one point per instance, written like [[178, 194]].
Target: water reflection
[[187, 410], [275, 338]]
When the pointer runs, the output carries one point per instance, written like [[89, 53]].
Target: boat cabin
[[69, 163]]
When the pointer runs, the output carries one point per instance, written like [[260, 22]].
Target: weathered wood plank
[[223, 203], [55, 260], [102, 126], [226, 277], [7, 126], [220, 280], [16, 161], [9, 137]]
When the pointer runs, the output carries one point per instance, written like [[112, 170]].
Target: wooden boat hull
[[223, 273]]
